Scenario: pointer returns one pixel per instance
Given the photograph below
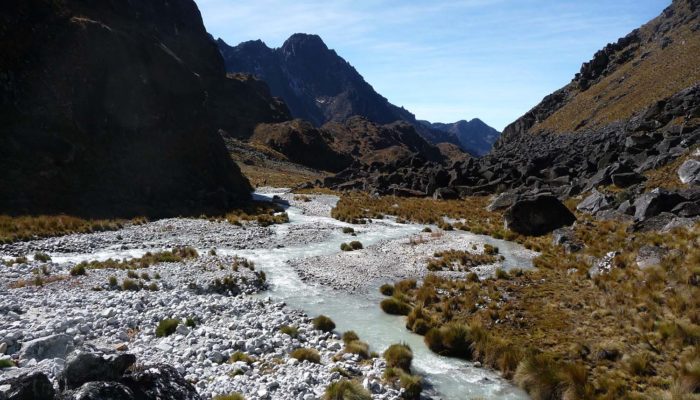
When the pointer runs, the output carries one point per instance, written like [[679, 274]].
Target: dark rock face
[[302, 144], [315, 82], [159, 382], [538, 215], [112, 109], [30, 387], [474, 136], [100, 391], [655, 202], [88, 367]]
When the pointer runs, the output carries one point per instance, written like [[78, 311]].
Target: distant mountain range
[[320, 86]]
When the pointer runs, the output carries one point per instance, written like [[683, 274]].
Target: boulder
[[157, 382], [689, 172], [538, 215], [626, 179], [445, 193], [649, 256], [100, 391], [595, 202], [35, 386], [687, 209], [655, 202], [502, 201], [89, 367], [54, 346]]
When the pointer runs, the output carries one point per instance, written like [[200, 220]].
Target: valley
[[185, 219]]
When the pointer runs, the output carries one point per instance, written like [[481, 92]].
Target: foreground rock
[[538, 215]]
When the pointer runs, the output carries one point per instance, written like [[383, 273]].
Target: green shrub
[[355, 245], [153, 287], [346, 390], [42, 257], [345, 247], [501, 274], [357, 347], [387, 289], [190, 323], [6, 363], [128, 284], [230, 396], [399, 356], [452, 339], [77, 270], [412, 385], [427, 229], [240, 356], [350, 336], [132, 274], [290, 330], [306, 354], [145, 276], [112, 280], [167, 327], [490, 250], [348, 230], [323, 323], [395, 306]]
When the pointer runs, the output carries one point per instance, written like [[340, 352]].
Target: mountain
[[474, 135], [337, 145], [113, 108], [315, 82], [320, 86], [648, 65]]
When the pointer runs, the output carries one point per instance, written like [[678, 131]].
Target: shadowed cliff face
[[112, 108]]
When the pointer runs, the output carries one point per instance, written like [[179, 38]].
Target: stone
[[54, 346], [3, 348], [100, 391], [689, 172], [627, 179], [159, 382], [502, 201], [34, 386], [538, 215], [655, 202], [88, 367], [687, 209], [649, 256], [595, 202]]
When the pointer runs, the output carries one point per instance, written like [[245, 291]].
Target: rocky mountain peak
[[304, 45]]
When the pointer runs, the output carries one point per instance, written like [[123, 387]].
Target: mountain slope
[[317, 84], [650, 64], [113, 109], [473, 135]]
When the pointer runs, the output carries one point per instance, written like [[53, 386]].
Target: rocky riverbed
[[48, 314]]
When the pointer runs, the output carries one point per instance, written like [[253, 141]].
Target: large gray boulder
[[54, 346], [595, 202], [88, 367], [655, 202], [689, 172], [35, 386], [538, 215]]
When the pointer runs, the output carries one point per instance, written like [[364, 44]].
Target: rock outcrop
[[538, 215], [113, 109]]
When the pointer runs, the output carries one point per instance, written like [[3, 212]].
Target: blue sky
[[445, 60]]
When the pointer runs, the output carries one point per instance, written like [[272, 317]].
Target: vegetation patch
[[345, 389], [306, 354], [27, 227], [167, 327], [354, 245], [178, 254], [399, 356], [323, 323], [560, 332], [459, 260]]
